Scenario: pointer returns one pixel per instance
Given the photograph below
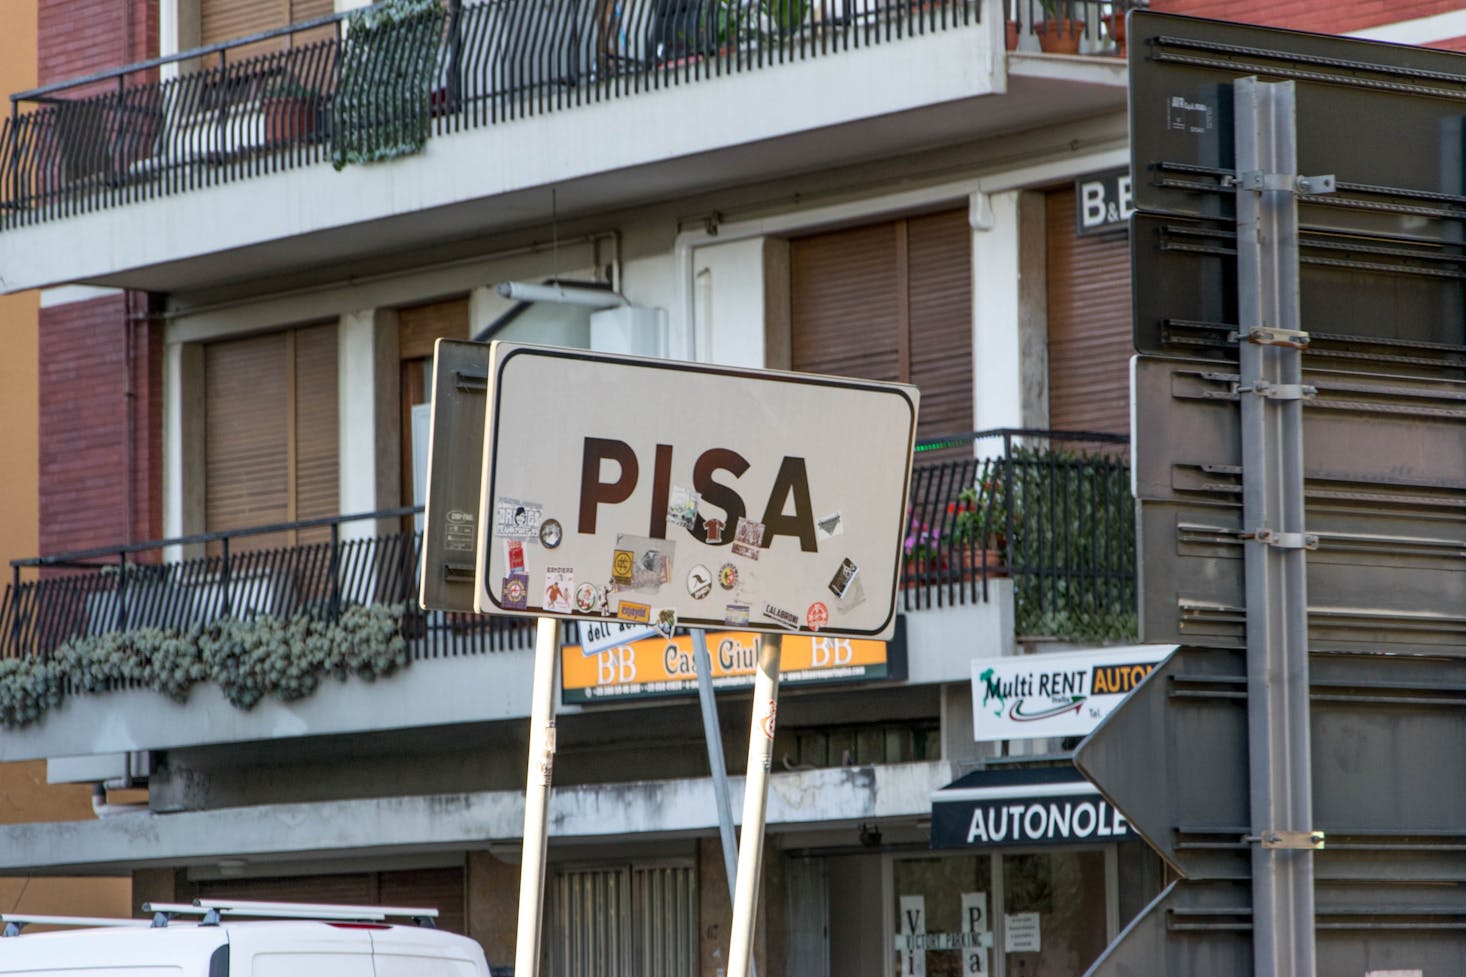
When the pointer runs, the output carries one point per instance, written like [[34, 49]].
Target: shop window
[[1053, 912], [943, 926], [624, 921]]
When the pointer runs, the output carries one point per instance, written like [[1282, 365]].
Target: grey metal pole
[[755, 804], [1271, 394], [537, 798], [713, 735]]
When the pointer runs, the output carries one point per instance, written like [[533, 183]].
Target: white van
[[277, 940]]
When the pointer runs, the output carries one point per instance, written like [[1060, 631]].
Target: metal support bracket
[[1289, 840], [1286, 182], [1283, 541], [1270, 336], [471, 380], [1279, 391]]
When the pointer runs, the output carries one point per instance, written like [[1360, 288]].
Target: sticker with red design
[[817, 616]]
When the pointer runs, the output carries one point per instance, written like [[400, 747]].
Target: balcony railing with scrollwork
[[228, 112]]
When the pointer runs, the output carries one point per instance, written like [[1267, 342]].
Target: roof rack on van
[[212, 910], [14, 922]]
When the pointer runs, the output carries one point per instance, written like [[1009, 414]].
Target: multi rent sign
[[656, 667], [677, 493], [1064, 694]]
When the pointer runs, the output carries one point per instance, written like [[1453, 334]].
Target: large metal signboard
[[1299, 466], [690, 495]]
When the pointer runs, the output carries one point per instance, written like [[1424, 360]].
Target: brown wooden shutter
[[844, 303], [940, 290], [1089, 324], [246, 468], [890, 301], [226, 20], [420, 325], [270, 434], [316, 443]]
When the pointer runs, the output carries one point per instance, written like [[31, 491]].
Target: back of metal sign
[[1367, 304], [1204, 929], [1377, 582], [455, 470], [1358, 103], [1370, 440]]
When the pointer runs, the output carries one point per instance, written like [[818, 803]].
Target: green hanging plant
[[389, 60], [247, 659]]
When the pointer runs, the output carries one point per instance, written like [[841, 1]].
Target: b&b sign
[[671, 493]]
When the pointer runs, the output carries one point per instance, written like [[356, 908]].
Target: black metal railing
[[1050, 510], [55, 599], [230, 113], [1091, 27]]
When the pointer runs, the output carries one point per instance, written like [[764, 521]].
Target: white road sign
[[675, 493]]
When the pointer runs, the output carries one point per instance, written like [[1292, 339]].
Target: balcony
[[241, 636], [567, 95]]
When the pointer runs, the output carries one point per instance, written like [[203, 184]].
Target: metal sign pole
[[755, 804], [713, 736], [537, 797], [1272, 396]]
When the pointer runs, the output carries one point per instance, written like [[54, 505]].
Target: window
[[270, 434], [625, 921], [890, 301]]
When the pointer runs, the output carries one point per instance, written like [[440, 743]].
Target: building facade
[[247, 251]]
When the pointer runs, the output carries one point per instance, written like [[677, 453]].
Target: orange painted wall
[[24, 794]]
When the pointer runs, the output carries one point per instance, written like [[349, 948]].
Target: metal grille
[[126, 135], [125, 588], [1051, 510], [626, 921]]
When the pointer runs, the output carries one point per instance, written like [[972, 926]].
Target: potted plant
[[978, 540], [291, 110], [1059, 31], [1115, 24]]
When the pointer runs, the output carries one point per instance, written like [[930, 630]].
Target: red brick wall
[[1336, 17], [85, 425]]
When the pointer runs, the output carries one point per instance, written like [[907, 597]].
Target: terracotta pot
[[1059, 36], [1012, 35], [1116, 24]]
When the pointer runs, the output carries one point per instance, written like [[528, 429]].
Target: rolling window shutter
[[940, 290], [246, 468], [419, 326], [1089, 324], [891, 301], [225, 20], [845, 303], [317, 464]]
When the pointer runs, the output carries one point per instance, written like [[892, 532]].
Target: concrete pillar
[[996, 304], [493, 905], [370, 417]]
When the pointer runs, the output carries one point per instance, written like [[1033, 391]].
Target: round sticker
[[551, 533], [727, 576], [817, 616], [699, 582], [587, 598]]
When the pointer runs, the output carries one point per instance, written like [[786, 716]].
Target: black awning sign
[[1103, 202], [1059, 819]]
